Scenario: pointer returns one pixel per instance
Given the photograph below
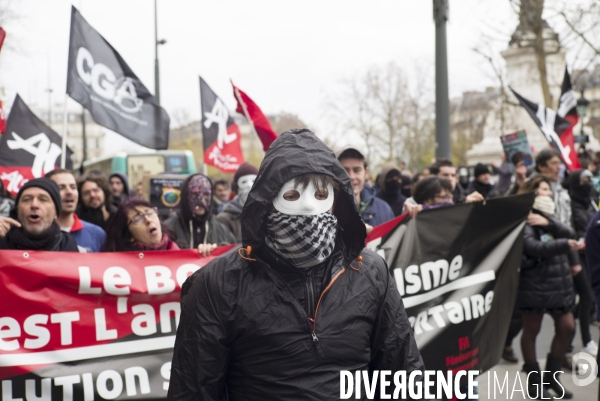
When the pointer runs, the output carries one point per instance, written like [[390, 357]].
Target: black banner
[[103, 83], [457, 269], [29, 149]]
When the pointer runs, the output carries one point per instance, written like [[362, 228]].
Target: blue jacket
[[87, 235], [592, 253], [374, 211]]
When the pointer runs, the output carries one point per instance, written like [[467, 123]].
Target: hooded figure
[[583, 204], [119, 198], [481, 183], [194, 224], [391, 184], [262, 321], [231, 214]]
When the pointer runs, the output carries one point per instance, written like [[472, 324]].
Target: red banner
[[65, 314]]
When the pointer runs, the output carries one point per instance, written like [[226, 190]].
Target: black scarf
[[47, 241], [483, 189]]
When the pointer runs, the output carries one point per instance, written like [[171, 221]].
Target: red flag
[[2, 118], [221, 136], [2, 36], [254, 114], [567, 109]]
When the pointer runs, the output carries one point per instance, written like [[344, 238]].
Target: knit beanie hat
[[47, 185], [481, 169], [243, 170]]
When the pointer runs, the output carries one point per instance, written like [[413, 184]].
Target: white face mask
[[307, 203], [244, 185], [245, 182]]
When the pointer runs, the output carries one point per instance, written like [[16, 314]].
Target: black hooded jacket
[[245, 331], [582, 203]]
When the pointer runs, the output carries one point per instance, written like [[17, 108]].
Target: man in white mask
[[300, 300], [231, 214]]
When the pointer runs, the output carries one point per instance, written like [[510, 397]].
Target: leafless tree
[[391, 114]]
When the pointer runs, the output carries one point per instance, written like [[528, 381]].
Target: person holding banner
[[136, 227], [35, 228], [546, 285], [194, 225], [301, 299]]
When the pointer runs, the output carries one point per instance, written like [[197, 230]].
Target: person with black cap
[[374, 211], [231, 214], [299, 300], [35, 227], [481, 183]]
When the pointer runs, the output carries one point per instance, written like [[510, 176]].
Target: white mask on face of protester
[[296, 201], [244, 185]]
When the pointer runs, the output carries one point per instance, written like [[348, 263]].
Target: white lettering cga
[[105, 83]]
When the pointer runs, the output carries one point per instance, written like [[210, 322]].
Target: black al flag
[[456, 269], [552, 126], [103, 83], [29, 149], [221, 136]]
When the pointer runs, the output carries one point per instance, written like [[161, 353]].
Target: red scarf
[[165, 245]]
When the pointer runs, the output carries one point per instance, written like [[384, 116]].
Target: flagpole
[[63, 153], [241, 101]]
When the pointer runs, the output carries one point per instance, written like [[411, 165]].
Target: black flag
[[103, 83], [29, 149], [552, 126]]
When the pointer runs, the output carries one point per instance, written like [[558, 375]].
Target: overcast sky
[[286, 55]]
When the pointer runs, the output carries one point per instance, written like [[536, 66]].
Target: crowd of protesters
[[99, 213]]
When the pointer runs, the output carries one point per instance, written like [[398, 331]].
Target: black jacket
[[244, 334], [547, 286]]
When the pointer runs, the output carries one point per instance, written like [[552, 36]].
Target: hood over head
[[187, 193], [385, 169], [123, 179], [293, 153]]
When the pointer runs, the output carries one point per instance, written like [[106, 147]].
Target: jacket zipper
[[310, 293], [314, 327]]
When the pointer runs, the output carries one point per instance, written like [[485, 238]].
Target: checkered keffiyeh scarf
[[304, 241]]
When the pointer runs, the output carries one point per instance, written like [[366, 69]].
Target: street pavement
[[587, 393]]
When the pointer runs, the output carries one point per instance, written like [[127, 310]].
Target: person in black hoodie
[[119, 187], [391, 185], [583, 208], [279, 316], [35, 227], [194, 224]]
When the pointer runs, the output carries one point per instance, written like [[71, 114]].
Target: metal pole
[[84, 140], [156, 69], [63, 152], [442, 102]]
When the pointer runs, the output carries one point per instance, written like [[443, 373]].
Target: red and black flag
[[2, 119], [567, 109], [102, 82], [29, 149], [552, 126], [255, 116], [221, 135]]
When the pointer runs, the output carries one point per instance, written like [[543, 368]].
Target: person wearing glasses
[[136, 227], [95, 201]]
